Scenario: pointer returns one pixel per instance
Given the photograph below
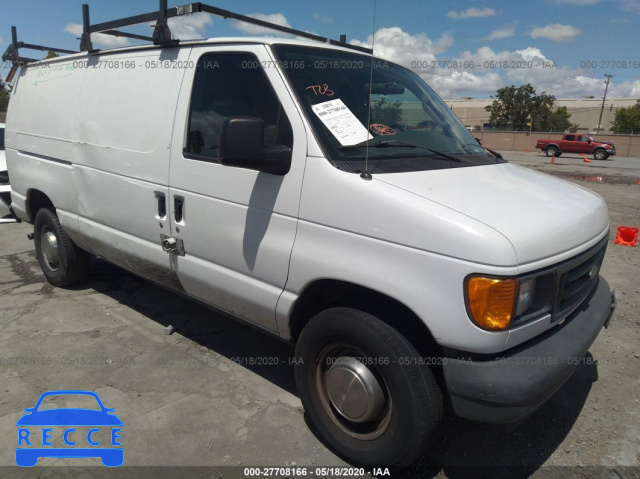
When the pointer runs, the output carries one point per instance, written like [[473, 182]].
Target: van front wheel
[[62, 262], [365, 389]]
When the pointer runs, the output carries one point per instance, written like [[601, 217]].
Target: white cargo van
[[5, 188], [326, 197]]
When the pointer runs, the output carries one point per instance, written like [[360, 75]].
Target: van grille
[[576, 279]]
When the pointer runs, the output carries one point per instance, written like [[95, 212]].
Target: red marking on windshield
[[382, 130], [321, 89]]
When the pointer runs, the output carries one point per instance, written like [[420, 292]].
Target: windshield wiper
[[494, 153], [382, 144], [445, 155], [386, 144]]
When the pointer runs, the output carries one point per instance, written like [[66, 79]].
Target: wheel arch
[[327, 293], [37, 200]]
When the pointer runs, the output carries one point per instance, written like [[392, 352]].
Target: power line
[[604, 98]]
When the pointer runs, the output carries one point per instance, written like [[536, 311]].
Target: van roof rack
[[161, 33], [12, 53]]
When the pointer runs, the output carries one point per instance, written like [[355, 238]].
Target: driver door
[[235, 226]]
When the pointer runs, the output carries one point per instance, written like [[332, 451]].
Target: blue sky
[[563, 47]]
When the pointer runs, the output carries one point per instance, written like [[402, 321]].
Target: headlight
[[494, 303], [491, 301], [525, 295], [4, 177]]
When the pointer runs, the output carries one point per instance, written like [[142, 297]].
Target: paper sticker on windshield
[[341, 122]]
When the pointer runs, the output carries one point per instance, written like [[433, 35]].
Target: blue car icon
[[28, 456]]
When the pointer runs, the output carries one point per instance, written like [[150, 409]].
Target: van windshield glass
[[410, 127]]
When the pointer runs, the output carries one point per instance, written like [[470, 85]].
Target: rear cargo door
[[233, 228]]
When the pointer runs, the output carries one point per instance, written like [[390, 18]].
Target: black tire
[[600, 154], [62, 262], [551, 151], [400, 429], [558, 154]]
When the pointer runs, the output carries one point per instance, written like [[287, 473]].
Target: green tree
[[51, 54], [559, 121], [386, 113], [514, 107], [627, 120], [5, 90]]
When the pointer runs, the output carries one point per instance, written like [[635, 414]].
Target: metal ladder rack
[[12, 53], [161, 33]]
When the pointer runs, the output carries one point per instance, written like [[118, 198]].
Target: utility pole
[[604, 98]]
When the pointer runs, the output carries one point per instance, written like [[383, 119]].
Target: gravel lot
[[194, 399]]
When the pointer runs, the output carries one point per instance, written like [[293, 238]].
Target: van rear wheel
[[62, 262], [365, 389]]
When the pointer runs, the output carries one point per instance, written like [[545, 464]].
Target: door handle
[[162, 205], [178, 208]]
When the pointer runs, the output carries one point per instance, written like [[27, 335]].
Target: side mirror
[[240, 146], [478, 140]]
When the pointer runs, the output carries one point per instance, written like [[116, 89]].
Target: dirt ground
[[193, 399]]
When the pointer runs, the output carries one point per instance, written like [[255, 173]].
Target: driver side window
[[232, 84]]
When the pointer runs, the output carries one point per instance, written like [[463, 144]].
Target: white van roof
[[190, 43], [162, 37]]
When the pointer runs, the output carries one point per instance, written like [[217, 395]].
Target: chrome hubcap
[[354, 391], [354, 395], [49, 248]]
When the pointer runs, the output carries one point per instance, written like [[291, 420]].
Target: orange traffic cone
[[627, 236], [586, 160], [553, 162]]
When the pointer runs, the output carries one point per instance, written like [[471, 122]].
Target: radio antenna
[[366, 175]]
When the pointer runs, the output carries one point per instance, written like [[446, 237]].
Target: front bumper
[[511, 386]]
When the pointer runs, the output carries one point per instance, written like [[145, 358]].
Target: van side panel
[[40, 133], [45, 100], [121, 158]]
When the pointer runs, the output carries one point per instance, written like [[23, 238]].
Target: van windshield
[[386, 110]]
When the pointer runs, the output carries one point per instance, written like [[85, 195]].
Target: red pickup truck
[[574, 143]]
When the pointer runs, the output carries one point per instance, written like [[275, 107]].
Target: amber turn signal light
[[491, 301]]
